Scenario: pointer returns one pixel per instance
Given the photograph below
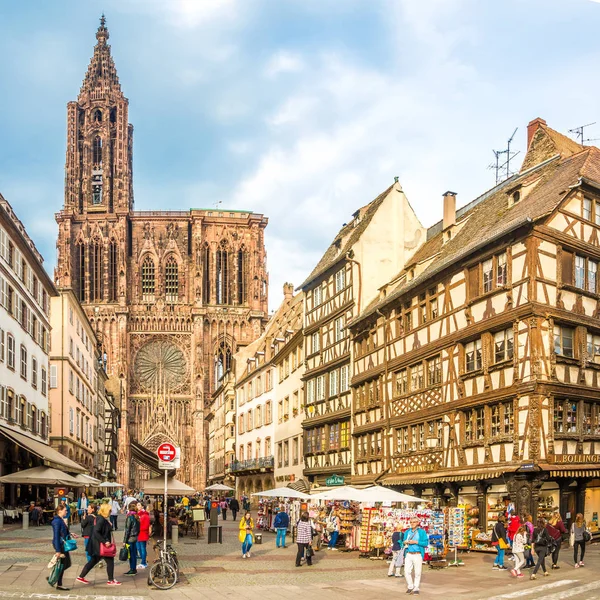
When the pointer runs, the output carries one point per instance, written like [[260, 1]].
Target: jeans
[[280, 539], [141, 552], [224, 512], [579, 545], [301, 549], [529, 561], [86, 541], [413, 561], [133, 556], [247, 544], [499, 557], [333, 537], [541, 552], [113, 520]]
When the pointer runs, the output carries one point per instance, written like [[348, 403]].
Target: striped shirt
[[303, 532]]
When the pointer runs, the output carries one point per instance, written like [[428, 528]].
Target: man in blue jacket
[[415, 542], [281, 524]]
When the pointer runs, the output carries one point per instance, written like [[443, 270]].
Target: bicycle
[[163, 574]]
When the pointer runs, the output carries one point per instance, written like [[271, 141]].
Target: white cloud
[[284, 62]]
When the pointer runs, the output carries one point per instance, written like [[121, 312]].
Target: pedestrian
[[114, 512], [234, 505], [143, 536], [130, 537], [281, 524], [541, 543], [101, 535], [578, 529], [500, 542], [556, 528], [87, 528], [333, 529], [397, 553], [60, 532], [414, 541], [519, 542], [224, 507], [82, 504], [246, 536], [529, 561], [304, 540], [513, 526]]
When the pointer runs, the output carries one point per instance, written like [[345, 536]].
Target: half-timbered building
[[476, 369], [366, 252]]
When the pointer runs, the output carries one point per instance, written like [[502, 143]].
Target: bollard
[[175, 534], [25, 520]]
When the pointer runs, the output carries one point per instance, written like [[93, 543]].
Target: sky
[[303, 110]]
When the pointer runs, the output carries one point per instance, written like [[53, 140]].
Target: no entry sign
[[166, 452]]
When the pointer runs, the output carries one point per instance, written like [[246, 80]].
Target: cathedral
[[172, 295]]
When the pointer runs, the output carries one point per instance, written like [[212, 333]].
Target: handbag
[[309, 552], [57, 569], [399, 559], [69, 544], [109, 551], [587, 536], [124, 553], [502, 544]]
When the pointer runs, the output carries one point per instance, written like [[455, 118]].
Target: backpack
[[541, 538], [330, 527]]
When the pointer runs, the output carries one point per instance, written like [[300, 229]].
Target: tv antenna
[[578, 132], [503, 158]]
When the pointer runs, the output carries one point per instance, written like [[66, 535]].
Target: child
[[519, 542]]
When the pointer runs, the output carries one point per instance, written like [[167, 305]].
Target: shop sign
[[334, 480], [291, 477], [527, 467], [417, 468], [574, 459]]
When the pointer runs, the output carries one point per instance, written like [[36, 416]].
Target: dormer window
[[516, 196]]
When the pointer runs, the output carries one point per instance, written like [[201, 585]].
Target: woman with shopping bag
[[63, 544], [397, 553], [246, 535]]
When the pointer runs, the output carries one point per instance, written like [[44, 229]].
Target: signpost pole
[[165, 511]]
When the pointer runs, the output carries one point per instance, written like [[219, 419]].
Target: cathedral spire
[[101, 78]]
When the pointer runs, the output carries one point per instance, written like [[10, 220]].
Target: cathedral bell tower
[[99, 139]]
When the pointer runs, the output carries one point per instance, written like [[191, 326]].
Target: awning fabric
[[466, 475], [174, 486], [50, 456]]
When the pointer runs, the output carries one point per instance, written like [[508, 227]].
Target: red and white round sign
[[166, 452]]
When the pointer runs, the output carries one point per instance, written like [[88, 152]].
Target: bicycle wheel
[[162, 575]]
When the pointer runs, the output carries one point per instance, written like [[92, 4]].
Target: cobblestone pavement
[[218, 572]]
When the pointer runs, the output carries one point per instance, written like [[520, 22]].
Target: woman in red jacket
[[143, 536], [513, 527]]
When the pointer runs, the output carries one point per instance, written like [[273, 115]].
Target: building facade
[[77, 391], [476, 371], [220, 420], [26, 292], [171, 295], [366, 253]]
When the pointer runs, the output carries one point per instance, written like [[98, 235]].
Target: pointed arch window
[[242, 276], [80, 270], [97, 151], [206, 274], [171, 279], [97, 116], [95, 271], [112, 271], [148, 281], [222, 362], [222, 275]]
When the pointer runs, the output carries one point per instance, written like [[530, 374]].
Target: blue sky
[[301, 109]]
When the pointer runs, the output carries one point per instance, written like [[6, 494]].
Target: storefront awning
[[465, 475], [569, 471], [50, 456]]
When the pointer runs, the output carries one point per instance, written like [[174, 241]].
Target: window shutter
[[473, 282], [53, 376], [567, 267]]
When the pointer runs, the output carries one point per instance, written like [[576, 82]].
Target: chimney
[[532, 128], [449, 210], [288, 291]]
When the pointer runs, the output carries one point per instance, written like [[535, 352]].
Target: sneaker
[[113, 582], [130, 572], [63, 588], [513, 572], [415, 592], [243, 556], [334, 548], [409, 591], [546, 574], [581, 563], [532, 576], [247, 554], [82, 580], [520, 575], [495, 568], [577, 565], [555, 567], [502, 568], [141, 567]]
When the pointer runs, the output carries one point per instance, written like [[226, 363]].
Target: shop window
[[565, 416], [591, 418], [503, 345], [563, 341], [473, 360]]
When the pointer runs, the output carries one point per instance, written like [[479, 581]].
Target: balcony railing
[[254, 463]]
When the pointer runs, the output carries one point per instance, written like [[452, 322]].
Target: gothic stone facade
[[171, 294]]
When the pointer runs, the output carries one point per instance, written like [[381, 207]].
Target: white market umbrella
[[218, 487], [346, 492], [111, 484], [283, 492], [87, 479], [40, 476], [174, 486], [378, 493]]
